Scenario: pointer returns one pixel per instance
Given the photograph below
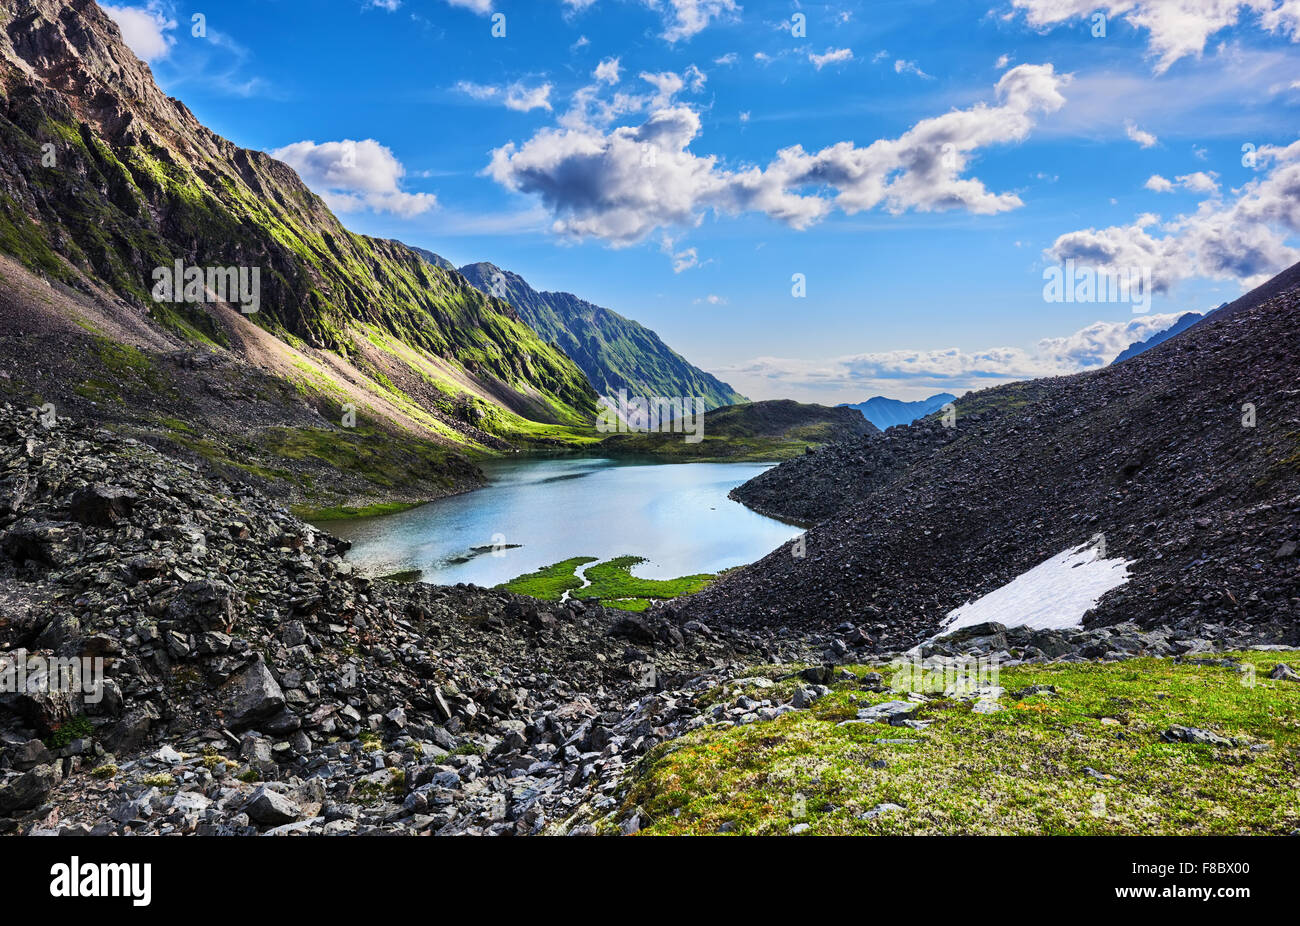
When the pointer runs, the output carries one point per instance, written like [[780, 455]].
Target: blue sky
[[917, 165]]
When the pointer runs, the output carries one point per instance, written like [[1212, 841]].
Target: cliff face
[[103, 176]]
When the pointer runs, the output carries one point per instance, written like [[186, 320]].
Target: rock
[[878, 810], [132, 731], [888, 711], [818, 675], [251, 695], [100, 505], [1177, 734], [271, 809], [204, 605], [26, 756], [1283, 672], [803, 698], [27, 790]]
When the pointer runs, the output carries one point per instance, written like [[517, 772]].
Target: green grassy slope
[[615, 352]]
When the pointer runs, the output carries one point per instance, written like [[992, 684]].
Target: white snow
[[1052, 596]]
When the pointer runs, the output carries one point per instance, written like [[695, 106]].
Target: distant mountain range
[[885, 413], [1184, 322], [615, 352]]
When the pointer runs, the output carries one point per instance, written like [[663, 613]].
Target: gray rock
[[271, 809], [252, 695], [27, 790], [28, 755], [1196, 736]]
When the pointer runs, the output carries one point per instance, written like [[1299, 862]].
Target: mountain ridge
[[885, 412], [103, 178], [615, 352]]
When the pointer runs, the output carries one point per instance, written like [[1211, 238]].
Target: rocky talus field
[[252, 684]]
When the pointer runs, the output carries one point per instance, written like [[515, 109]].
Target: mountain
[[106, 183], [1184, 461], [885, 413], [436, 259], [1184, 322], [616, 353], [771, 430]]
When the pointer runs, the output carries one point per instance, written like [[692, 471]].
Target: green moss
[[1023, 770], [345, 513], [550, 582], [613, 581]]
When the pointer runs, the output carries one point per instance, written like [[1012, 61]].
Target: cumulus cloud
[[607, 72], [1144, 139], [354, 176], [1243, 238], [145, 29], [916, 373], [1177, 28], [621, 185], [830, 56]]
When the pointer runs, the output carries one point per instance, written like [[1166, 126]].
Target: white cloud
[[910, 67], [1177, 28], [514, 96], [621, 185], [353, 176], [478, 91], [1244, 239], [1200, 182], [683, 19], [910, 374], [145, 29], [482, 7], [1145, 139], [831, 56], [525, 99], [1158, 184], [389, 5], [607, 72], [687, 18]]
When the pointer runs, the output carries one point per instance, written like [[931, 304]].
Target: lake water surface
[[677, 516]]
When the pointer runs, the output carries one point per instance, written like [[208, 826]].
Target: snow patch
[[1052, 596]]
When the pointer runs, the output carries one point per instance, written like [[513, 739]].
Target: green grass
[[346, 513], [550, 582], [1020, 771], [613, 581]]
